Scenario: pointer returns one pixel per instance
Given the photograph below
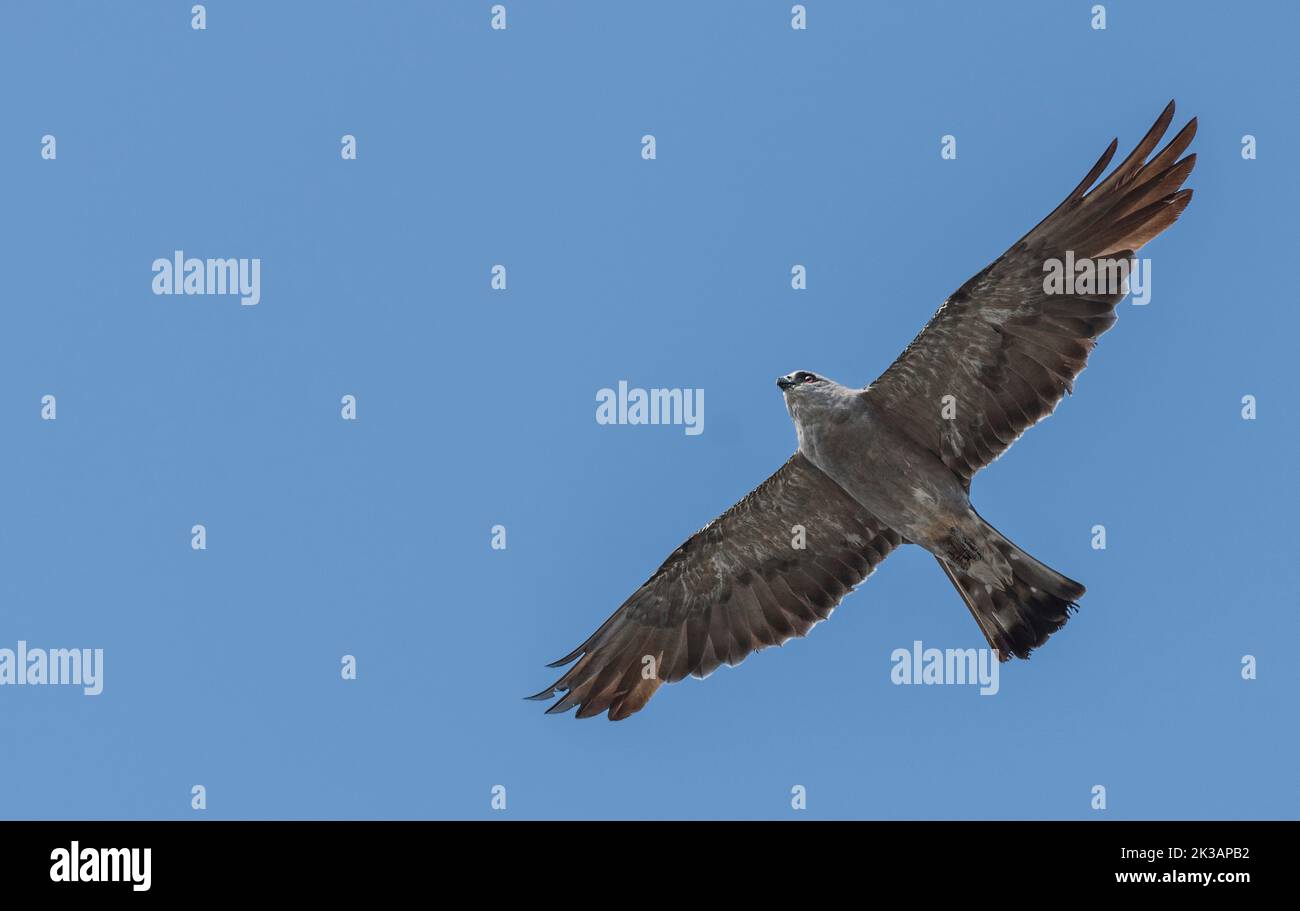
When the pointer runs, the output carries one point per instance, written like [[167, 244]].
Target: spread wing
[[737, 586], [1004, 348]]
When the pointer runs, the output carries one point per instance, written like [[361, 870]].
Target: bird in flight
[[892, 464]]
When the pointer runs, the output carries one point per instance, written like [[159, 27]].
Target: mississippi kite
[[892, 463]]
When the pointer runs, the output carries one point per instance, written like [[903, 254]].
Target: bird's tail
[[1020, 615]]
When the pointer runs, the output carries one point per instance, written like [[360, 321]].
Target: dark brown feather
[[737, 586], [1007, 350]]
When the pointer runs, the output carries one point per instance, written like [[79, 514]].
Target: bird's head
[[810, 396], [800, 379]]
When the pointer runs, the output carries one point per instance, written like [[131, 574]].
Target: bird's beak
[[784, 382]]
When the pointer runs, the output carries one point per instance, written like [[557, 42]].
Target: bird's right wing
[[738, 585], [1001, 352]]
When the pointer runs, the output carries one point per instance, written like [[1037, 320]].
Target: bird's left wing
[[738, 585], [1004, 348]]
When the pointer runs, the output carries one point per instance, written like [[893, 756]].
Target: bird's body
[[905, 486], [892, 463]]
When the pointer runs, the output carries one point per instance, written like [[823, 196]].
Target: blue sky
[[475, 407]]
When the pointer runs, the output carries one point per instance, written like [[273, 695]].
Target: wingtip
[[1162, 122], [559, 707], [569, 658]]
